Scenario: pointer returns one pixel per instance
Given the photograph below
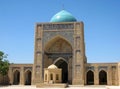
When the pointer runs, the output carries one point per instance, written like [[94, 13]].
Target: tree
[[4, 64]]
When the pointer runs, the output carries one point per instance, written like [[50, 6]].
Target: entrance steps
[[54, 85]]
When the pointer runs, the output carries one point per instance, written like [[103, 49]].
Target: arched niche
[[27, 77], [90, 77], [16, 77], [102, 77]]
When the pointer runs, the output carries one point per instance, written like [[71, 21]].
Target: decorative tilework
[[90, 68], [102, 67], [68, 35], [57, 26]]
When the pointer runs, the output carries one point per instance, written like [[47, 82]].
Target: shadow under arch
[[62, 63], [103, 77], [90, 77], [16, 77], [27, 76]]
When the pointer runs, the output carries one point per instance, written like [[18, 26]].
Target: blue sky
[[101, 26]]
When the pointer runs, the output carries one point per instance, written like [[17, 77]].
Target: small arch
[[28, 69], [57, 77], [16, 77], [102, 77], [28, 75], [58, 59], [51, 76], [45, 76], [90, 77]]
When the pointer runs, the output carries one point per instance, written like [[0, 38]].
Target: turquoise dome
[[63, 16]]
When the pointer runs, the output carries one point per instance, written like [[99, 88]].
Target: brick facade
[[63, 44]]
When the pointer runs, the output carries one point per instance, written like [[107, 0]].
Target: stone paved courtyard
[[71, 87]]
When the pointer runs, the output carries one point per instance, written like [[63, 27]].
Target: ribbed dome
[[52, 66], [63, 16]]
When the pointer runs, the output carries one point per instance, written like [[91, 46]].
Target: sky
[[101, 26]]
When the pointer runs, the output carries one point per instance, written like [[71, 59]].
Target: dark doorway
[[16, 77], [28, 78], [90, 78], [64, 66], [102, 77]]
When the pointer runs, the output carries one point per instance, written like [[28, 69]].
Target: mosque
[[59, 57]]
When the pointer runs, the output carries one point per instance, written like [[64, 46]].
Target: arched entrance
[[102, 77], [90, 78], [16, 79], [64, 66], [28, 77], [58, 51]]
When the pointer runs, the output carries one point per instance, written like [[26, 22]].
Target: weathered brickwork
[[62, 44]]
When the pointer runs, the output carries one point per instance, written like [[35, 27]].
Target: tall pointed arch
[[63, 64], [90, 77], [16, 77], [58, 44], [28, 75], [58, 51], [103, 77]]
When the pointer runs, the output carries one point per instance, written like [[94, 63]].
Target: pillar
[[79, 55], [10, 74], [22, 76], [109, 76], [38, 75], [118, 74], [96, 76], [70, 71]]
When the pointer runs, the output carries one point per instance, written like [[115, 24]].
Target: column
[[118, 74], [22, 76], [10, 74], [70, 71], [109, 77], [96, 76], [79, 55], [37, 76]]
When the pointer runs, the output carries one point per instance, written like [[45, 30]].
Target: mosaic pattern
[[68, 35], [57, 26]]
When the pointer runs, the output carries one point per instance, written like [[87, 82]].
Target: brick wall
[[4, 80]]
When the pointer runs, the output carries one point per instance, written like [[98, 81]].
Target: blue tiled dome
[[63, 16]]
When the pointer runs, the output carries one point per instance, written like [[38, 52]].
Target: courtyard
[[70, 87]]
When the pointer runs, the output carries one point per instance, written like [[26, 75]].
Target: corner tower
[[60, 42]]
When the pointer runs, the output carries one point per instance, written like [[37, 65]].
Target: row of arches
[[89, 77], [27, 77], [102, 77]]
